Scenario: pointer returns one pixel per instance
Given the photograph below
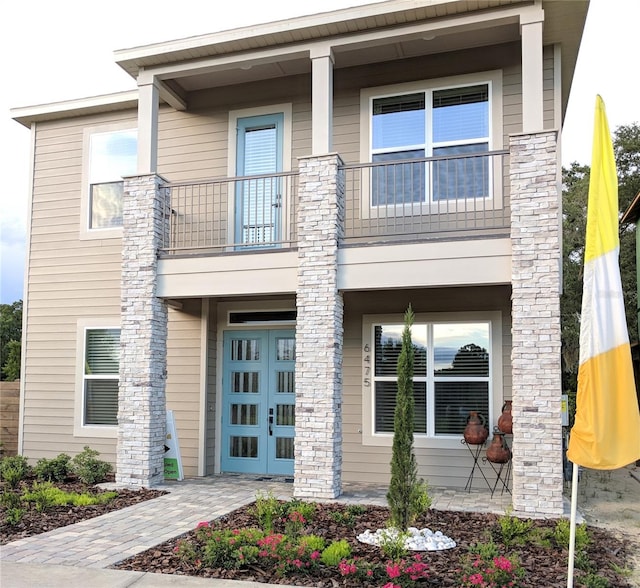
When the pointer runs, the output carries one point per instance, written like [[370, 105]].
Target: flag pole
[[572, 524]]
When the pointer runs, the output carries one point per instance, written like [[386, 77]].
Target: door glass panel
[[245, 349], [285, 415], [285, 349], [244, 414], [245, 382], [285, 383], [243, 447], [284, 447]]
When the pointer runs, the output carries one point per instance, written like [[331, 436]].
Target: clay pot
[[498, 451], [505, 422], [476, 432]]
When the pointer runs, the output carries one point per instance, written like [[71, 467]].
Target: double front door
[[258, 406]]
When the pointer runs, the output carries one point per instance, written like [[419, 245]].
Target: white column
[[321, 100], [531, 26], [148, 104]]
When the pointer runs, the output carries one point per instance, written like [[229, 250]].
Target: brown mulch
[[546, 567], [34, 523]]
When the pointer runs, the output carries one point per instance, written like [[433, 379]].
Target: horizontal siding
[[183, 380], [370, 463]]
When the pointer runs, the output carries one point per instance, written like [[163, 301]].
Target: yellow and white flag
[[606, 433]]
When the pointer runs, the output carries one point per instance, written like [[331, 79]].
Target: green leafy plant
[[267, 509], [53, 470], [335, 553], [561, 535], [88, 468], [312, 543], [393, 544], [14, 469], [294, 524], [407, 496], [592, 580], [513, 531], [306, 509], [45, 495], [13, 515], [485, 551], [540, 536]]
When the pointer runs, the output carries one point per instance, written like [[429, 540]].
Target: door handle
[[271, 422]]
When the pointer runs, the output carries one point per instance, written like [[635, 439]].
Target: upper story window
[[112, 155], [455, 120]]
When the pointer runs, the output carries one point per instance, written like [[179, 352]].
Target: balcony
[[202, 218], [427, 197], [389, 201]]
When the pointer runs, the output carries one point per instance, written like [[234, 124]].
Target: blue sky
[[53, 57]]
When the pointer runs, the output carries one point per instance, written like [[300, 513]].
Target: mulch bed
[[545, 567], [34, 523]]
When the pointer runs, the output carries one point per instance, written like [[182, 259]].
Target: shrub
[[53, 470], [13, 469], [484, 551], [267, 509], [306, 509], [561, 534], [407, 496], [594, 581], [335, 553], [45, 495], [494, 572], [88, 468], [513, 531], [13, 515], [231, 549], [312, 543], [393, 544]]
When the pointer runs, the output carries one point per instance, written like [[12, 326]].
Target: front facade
[[237, 241]]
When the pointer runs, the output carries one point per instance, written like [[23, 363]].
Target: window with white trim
[[112, 155], [101, 376], [452, 374], [433, 119]]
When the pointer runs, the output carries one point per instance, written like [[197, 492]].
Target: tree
[[10, 337], [407, 495], [626, 145]]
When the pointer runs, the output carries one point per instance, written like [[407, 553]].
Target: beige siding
[[69, 279], [370, 463], [183, 379], [212, 416]]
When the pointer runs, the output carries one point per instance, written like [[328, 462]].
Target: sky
[[60, 50]]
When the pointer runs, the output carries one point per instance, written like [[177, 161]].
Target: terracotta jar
[[476, 432], [498, 451], [505, 422]]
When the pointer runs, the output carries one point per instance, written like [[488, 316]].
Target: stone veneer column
[[319, 330], [535, 355], [143, 336]]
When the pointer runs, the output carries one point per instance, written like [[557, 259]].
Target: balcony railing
[[418, 198], [387, 201], [233, 214]]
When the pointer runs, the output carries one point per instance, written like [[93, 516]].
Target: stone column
[[319, 330], [143, 336], [535, 355]]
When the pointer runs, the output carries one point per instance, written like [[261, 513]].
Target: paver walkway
[[103, 541]]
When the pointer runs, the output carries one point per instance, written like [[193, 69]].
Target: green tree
[[407, 496], [626, 145], [10, 337]]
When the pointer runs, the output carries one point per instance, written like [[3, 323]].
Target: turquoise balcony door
[[259, 199]]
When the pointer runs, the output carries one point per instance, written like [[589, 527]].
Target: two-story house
[[238, 239]]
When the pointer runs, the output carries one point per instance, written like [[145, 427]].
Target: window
[[112, 155], [101, 376], [455, 119], [454, 367]]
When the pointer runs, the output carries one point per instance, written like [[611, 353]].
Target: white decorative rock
[[417, 539]]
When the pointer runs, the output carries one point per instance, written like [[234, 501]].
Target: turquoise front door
[[259, 198], [258, 402]]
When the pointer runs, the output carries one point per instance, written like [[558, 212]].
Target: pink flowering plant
[[498, 571], [404, 573]]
